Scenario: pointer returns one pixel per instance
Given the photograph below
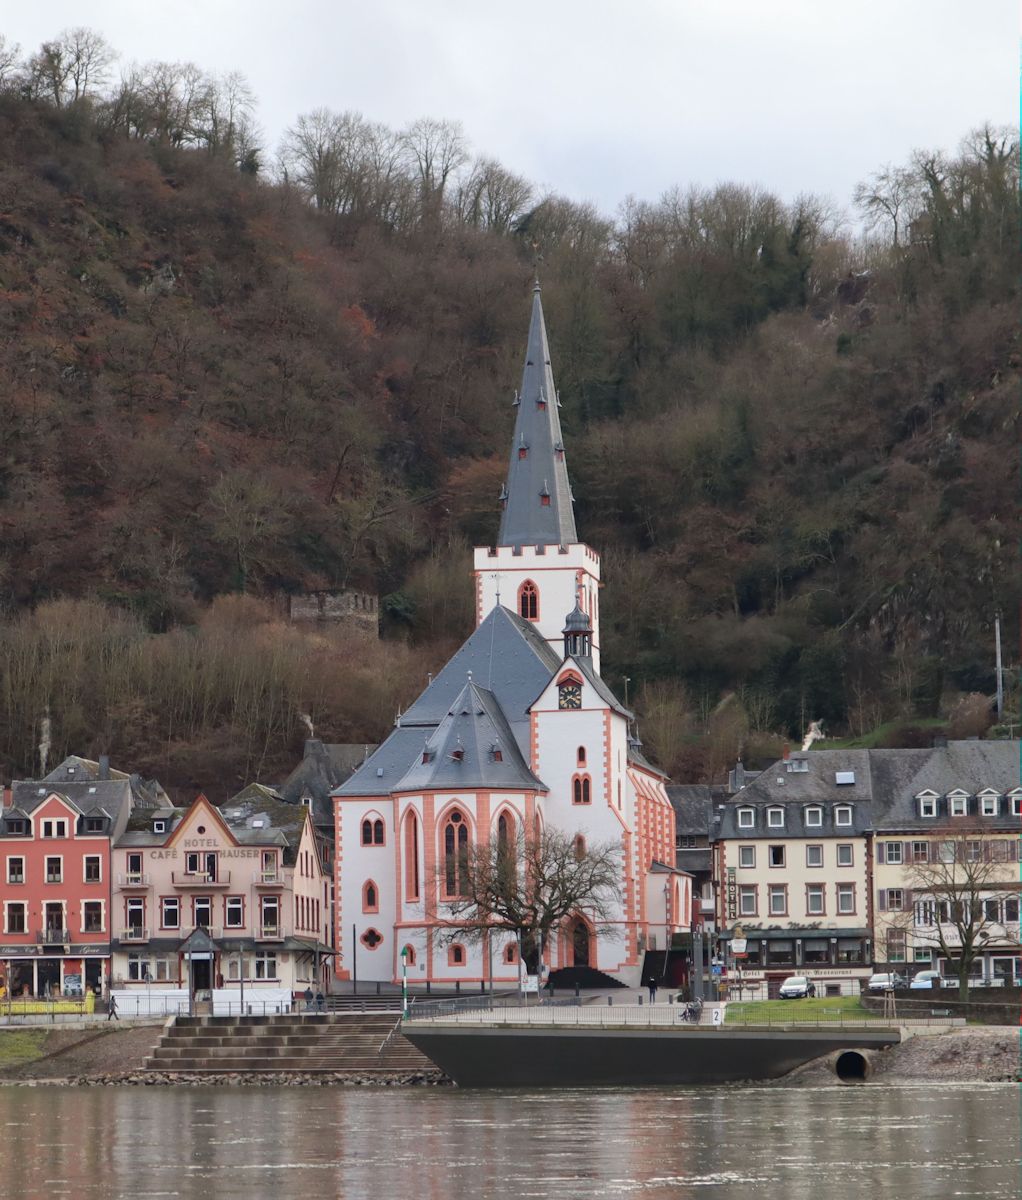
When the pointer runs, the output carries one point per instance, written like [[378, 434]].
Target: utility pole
[[1000, 677]]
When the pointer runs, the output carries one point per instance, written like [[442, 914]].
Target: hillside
[[796, 451]]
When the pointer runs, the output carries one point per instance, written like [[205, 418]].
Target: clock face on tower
[[570, 695]]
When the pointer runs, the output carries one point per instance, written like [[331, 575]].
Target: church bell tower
[[539, 568]]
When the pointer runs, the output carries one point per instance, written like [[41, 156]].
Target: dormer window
[[842, 815], [427, 756], [927, 805], [457, 754], [775, 818], [1016, 802], [989, 804], [746, 818], [814, 817], [159, 827], [496, 754], [958, 805]]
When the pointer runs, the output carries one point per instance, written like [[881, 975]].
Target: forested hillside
[[223, 372]]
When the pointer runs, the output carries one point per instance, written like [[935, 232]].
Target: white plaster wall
[[554, 574]]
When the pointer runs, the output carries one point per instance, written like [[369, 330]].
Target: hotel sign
[[732, 893]]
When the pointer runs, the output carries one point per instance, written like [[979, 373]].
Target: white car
[[884, 982], [929, 979]]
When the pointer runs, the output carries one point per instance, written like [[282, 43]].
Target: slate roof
[[146, 793], [543, 471], [693, 808], [110, 798], [507, 658], [324, 766], [459, 753], [696, 862], [883, 795]]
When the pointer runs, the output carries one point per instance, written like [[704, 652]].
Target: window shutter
[[906, 852], [881, 853], [883, 899], [907, 902]]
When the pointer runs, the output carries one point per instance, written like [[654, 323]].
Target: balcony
[[134, 879], [135, 933], [269, 879], [270, 933], [202, 879], [53, 936]]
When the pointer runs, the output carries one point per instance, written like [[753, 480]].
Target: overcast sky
[[598, 99]]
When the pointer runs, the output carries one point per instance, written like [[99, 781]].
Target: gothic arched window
[[528, 601], [455, 854]]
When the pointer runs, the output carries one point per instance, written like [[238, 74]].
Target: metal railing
[[133, 879], [53, 936], [270, 933], [201, 878], [135, 933]]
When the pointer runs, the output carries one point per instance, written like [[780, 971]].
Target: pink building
[[250, 874]]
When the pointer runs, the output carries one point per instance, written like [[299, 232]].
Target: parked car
[[885, 981], [797, 987], [930, 979]]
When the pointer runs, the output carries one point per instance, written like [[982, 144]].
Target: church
[[517, 732]]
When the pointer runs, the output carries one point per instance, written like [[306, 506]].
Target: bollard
[[457, 987], [377, 987], [640, 1001], [670, 997], [578, 991], [610, 1001]]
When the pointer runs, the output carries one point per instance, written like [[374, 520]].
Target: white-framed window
[[92, 916], [748, 903], [893, 853], [93, 868], [895, 899], [746, 856], [842, 815], [234, 912], [775, 818], [946, 851], [846, 897], [138, 967], [814, 856], [746, 818], [16, 869], [973, 852], [159, 827], [202, 906], [134, 867], [266, 966], [927, 806], [924, 912], [14, 917], [989, 805], [815, 900], [170, 912], [922, 955], [134, 912], [958, 806], [1016, 803], [269, 912], [166, 969], [54, 828], [778, 899], [814, 818], [54, 869], [845, 854], [777, 856]]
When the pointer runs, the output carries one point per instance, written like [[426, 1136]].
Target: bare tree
[[960, 901], [76, 64], [491, 197], [10, 59], [435, 149], [529, 885], [889, 199]]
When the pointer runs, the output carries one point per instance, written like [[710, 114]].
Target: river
[[443, 1144]]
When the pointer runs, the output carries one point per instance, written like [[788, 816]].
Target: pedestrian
[[111, 1009], [320, 1002], [308, 999], [652, 991]]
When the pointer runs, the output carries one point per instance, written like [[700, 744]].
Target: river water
[[444, 1144]]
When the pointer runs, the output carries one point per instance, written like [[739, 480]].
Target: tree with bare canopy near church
[[532, 885], [963, 900]]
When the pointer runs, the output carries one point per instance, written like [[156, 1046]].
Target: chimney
[[6, 796], [787, 752], [104, 766]]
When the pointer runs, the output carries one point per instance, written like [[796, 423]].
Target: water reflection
[[450, 1145]]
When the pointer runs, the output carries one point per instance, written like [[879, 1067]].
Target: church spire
[[537, 499]]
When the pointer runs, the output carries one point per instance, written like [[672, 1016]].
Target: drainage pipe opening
[[852, 1066]]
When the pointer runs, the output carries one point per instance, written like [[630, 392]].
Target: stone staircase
[[363, 1043]]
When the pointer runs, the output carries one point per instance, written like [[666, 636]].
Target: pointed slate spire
[[538, 505]]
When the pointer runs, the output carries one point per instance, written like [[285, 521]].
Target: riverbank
[[972, 1054]]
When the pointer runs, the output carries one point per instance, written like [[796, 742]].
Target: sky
[[601, 99]]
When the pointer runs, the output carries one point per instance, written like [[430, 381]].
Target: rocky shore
[[245, 1079]]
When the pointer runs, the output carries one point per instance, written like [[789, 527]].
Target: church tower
[[539, 568]]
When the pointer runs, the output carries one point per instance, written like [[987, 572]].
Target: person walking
[[111, 1009], [320, 1002], [308, 999], [652, 991]]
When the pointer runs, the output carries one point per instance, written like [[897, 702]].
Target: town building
[[947, 823], [792, 864], [55, 875], [517, 732], [247, 880]]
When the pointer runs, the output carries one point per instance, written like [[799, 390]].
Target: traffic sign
[[717, 969], [738, 945]]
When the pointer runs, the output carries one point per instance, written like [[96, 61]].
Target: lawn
[[18, 1046], [775, 1012]]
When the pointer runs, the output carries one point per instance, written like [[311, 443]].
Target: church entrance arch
[[580, 941]]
